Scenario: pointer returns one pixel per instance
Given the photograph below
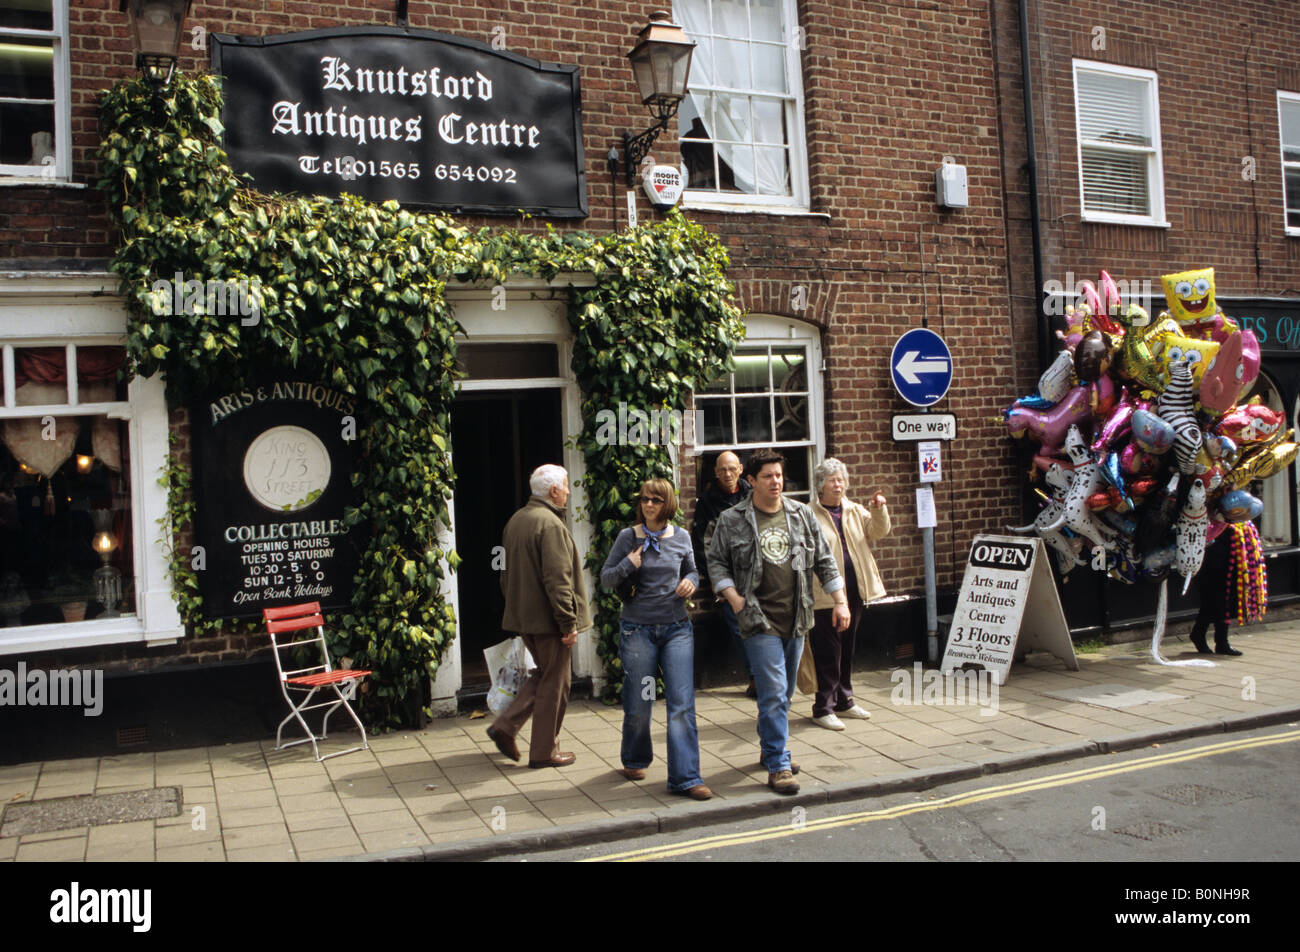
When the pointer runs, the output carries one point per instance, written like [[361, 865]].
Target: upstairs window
[[741, 126], [1117, 113], [1288, 120], [34, 111]]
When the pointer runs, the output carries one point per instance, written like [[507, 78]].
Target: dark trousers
[[544, 697], [1212, 582], [833, 657]]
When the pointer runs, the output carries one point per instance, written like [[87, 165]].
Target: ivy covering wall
[[354, 294]]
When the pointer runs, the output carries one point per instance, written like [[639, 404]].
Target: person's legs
[[825, 644], [768, 661], [640, 658], [510, 720], [733, 626], [552, 693], [677, 656], [848, 641]]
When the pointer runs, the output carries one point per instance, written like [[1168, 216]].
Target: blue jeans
[[733, 626], [643, 650], [775, 664]]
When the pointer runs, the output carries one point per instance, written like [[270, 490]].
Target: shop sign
[[272, 478], [1007, 605], [1275, 323], [423, 118]]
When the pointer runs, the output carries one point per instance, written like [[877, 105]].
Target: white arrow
[[910, 366]]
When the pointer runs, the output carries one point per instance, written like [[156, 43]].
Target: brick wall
[[890, 89]]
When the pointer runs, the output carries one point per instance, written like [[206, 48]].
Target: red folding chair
[[316, 677]]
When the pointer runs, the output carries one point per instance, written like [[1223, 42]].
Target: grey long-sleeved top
[[656, 601]]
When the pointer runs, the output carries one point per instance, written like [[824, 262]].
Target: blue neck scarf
[[652, 538]]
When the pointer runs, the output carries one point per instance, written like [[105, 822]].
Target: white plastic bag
[[509, 664]]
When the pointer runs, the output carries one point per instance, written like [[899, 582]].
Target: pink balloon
[[1090, 296], [1048, 426], [1116, 424], [1213, 531], [1109, 293], [1222, 382], [1249, 360]]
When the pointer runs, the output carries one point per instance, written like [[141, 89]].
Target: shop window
[[83, 560], [34, 109], [741, 126], [66, 538], [1288, 120], [767, 401], [1117, 116]]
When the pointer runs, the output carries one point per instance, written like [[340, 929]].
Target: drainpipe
[[1044, 323]]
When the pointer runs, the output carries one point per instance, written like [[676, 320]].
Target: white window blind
[[1119, 144]]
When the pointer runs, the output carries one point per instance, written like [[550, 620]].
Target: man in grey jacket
[[546, 603], [761, 559]]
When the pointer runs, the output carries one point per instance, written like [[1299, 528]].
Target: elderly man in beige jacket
[[546, 603], [848, 528]]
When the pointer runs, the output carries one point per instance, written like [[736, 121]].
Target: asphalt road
[[1232, 798]]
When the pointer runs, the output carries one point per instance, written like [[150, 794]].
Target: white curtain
[[725, 60]]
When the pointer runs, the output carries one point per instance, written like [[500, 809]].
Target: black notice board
[[386, 113], [272, 467]]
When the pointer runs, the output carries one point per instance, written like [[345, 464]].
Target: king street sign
[[921, 367]]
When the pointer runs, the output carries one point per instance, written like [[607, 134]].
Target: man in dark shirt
[[719, 495]]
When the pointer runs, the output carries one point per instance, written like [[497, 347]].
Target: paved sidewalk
[[445, 792]]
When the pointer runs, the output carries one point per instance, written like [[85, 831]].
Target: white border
[[1293, 98], [21, 174]]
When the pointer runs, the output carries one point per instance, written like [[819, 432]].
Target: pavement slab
[[258, 804]]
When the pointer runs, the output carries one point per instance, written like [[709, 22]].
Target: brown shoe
[[504, 744], [633, 773], [562, 758], [697, 792], [783, 782]]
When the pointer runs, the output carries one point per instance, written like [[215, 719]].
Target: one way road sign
[[921, 367]]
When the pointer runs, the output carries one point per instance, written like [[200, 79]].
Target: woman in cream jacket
[[848, 528]]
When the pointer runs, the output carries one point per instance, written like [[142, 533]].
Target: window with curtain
[[65, 494], [34, 88], [1117, 118], [741, 125], [1288, 121]]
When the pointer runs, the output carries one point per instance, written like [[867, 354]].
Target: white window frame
[[1293, 99], [797, 201], [769, 331], [1154, 153], [61, 171], [56, 312]]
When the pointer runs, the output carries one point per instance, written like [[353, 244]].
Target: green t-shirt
[[775, 593]]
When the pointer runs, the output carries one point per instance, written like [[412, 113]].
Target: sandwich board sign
[[1008, 605]]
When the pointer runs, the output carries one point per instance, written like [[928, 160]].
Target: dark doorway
[[497, 439]]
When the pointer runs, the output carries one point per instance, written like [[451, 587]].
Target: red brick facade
[[890, 89]]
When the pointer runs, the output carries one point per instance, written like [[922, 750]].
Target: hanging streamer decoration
[[1247, 576]]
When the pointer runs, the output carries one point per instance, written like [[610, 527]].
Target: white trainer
[[830, 722], [857, 711]]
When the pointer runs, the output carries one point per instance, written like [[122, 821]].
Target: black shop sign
[[423, 118], [272, 478]]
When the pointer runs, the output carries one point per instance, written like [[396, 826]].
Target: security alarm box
[[950, 185]]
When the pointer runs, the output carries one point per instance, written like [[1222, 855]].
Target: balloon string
[[1162, 612]]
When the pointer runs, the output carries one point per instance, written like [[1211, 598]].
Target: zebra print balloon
[[1175, 407]]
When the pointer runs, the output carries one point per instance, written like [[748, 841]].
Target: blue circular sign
[[921, 367]]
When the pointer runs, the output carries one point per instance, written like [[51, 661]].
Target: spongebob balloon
[[1190, 295]]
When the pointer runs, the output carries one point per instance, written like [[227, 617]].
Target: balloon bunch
[[1142, 443]]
